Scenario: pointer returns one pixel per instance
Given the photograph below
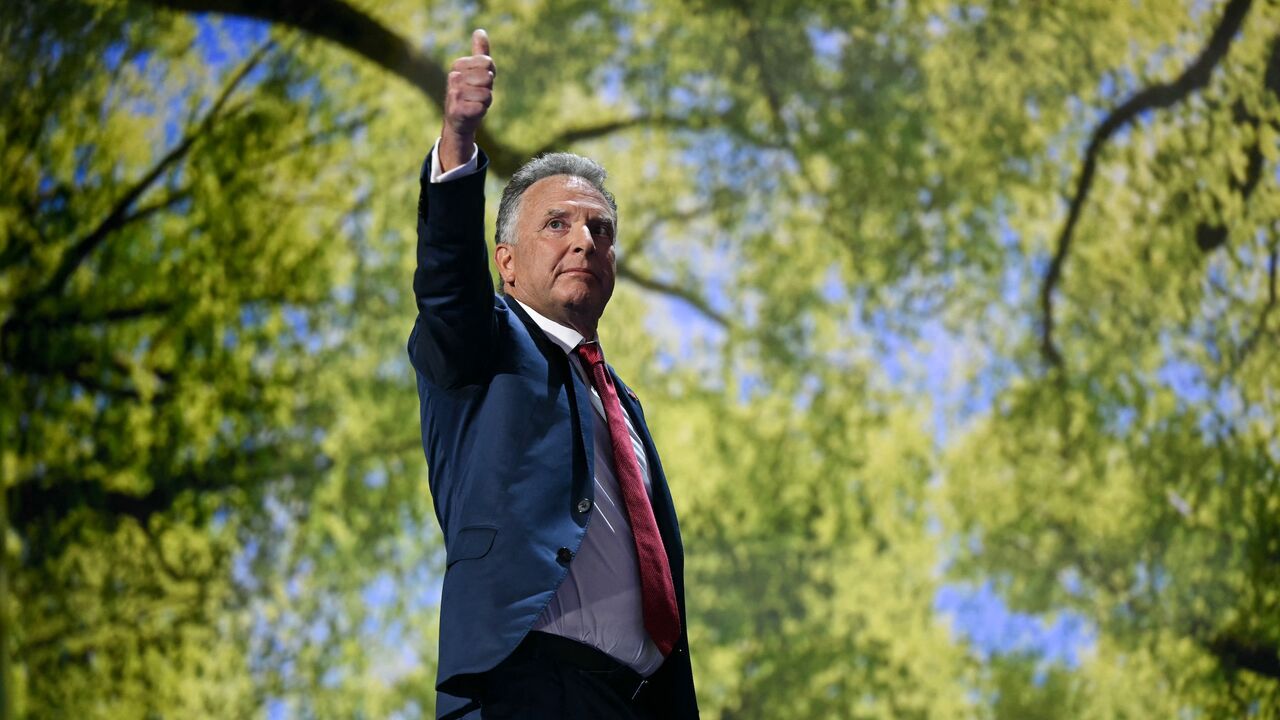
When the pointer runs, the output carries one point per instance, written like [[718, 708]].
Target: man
[[563, 592]]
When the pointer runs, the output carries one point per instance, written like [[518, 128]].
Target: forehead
[[565, 192]]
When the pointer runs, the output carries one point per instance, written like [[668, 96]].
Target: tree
[[204, 269], [166, 282], [1135, 484]]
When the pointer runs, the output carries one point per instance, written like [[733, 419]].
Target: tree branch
[[91, 374], [77, 316], [74, 374], [589, 132], [1211, 235], [313, 139], [1163, 95], [755, 46], [356, 31], [1260, 328], [119, 215], [637, 240], [45, 501], [1251, 655], [688, 296]]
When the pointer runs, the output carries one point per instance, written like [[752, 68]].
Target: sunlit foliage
[[838, 224]]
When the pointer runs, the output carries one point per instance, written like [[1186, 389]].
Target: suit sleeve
[[451, 342]]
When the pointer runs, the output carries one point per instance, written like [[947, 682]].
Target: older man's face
[[562, 264]]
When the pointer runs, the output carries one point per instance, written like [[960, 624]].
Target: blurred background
[[955, 323]]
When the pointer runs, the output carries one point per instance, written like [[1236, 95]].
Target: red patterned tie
[[658, 595]]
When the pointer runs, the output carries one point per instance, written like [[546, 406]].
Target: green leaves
[[836, 225]]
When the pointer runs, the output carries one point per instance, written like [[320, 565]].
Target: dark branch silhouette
[[695, 300], [353, 29], [1212, 235], [1257, 657], [77, 374], [1152, 97], [1260, 329], [77, 315], [569, 136], [356, 31], [312, 140], [120, 215], [42, 503]]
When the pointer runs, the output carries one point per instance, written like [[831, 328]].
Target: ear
[[505, 259]]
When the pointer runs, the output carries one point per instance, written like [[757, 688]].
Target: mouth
[[578, 271]]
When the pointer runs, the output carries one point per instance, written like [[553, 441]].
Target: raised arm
[[452, 337]]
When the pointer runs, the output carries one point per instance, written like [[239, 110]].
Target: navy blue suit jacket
[[506, 427]]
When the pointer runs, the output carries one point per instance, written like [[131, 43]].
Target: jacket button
[[584, 505], [564, 555]]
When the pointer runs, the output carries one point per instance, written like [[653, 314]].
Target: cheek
[[527, 261], [539, 270]]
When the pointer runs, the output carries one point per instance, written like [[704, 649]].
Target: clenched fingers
[[477, 77]]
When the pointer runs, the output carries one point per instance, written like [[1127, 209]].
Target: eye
[[556, 224]]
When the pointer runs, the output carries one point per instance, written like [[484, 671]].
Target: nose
[[582, 240]]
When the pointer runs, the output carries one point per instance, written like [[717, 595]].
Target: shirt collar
[[562, 335]]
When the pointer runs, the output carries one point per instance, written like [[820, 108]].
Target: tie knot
[[591, 352]]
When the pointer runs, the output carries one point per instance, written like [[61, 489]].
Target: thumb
[[479, 42]]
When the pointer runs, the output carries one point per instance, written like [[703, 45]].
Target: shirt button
[[564, 555], [584, 505]]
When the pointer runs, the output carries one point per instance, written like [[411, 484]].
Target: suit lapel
[[578, 394], [555, 356]]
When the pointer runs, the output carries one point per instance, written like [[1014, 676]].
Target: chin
[[584, 304], [576, 295]]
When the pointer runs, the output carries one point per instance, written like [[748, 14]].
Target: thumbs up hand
[[467, 98]]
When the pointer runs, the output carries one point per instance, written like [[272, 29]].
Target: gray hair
[[539, 168]]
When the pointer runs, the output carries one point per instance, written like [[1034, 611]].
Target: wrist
[[456, 148]]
